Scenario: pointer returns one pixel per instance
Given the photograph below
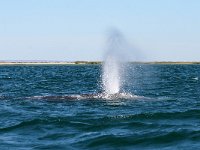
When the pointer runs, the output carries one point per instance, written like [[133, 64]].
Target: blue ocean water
[[165, 114]]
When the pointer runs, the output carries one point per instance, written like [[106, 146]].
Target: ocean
[[54, 107]]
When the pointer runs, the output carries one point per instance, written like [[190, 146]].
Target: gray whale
[[86, 96]]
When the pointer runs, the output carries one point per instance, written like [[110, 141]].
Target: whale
[[85, 96]]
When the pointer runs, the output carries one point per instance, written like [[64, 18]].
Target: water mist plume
[[113, 66]]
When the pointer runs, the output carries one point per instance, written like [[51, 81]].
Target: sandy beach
[[47, 63]]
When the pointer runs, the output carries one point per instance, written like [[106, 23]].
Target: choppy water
[[165, 115]]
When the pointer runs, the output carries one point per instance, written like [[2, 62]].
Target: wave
[[86, 131], [135, 120], [189, 114]]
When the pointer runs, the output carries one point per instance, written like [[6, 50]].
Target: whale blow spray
[[114, 62]]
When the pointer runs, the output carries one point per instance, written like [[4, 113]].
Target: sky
[[70, 30]]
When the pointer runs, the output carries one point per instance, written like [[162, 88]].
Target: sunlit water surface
[[58, 107]]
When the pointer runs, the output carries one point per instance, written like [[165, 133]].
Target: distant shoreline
[[47, 62], [84, 62], [173, 63]]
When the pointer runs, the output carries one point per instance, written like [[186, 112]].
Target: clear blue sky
[[76, 29]]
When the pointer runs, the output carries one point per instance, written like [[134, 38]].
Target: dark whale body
[[86, 96]]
